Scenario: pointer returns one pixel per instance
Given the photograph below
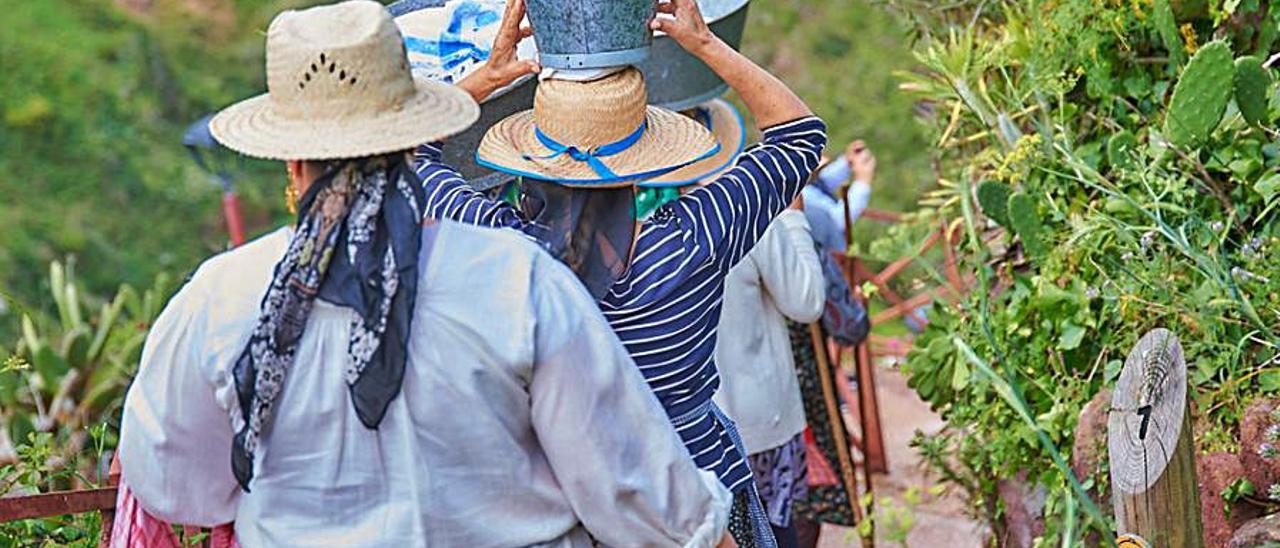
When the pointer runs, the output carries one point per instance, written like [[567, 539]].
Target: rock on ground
[[1089, 450], [1264, 531], [1215, 471], [1260, 470]]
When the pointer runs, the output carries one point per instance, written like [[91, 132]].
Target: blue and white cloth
[[666, 307], [445, 43]]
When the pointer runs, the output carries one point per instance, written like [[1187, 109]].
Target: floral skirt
[[827, 500], [782, 478]]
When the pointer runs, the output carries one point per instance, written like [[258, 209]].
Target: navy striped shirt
[[667, 306]]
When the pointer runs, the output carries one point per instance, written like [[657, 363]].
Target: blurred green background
[[95, 95]]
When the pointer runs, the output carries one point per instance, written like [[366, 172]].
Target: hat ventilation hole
[[321, 59]]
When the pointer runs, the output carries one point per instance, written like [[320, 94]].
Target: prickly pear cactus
[[1121, 149], [993, 197], [1252, 84], [1026, 222], [1167, 26], [1201, 96]]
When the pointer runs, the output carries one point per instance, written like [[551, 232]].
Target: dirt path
[[937, 521]]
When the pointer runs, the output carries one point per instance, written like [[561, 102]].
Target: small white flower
[[1268, 451], [1273, 432]]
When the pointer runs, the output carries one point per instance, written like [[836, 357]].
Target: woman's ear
[[296, 172]]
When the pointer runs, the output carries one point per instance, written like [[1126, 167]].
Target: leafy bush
[[68, 373], [1115, 229], [60, 395]]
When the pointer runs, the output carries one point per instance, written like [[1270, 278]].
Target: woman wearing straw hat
[[352, 373], [659, 282]]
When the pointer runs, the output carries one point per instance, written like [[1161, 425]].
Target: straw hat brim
[[671, 140], [254, 127], [730, 131]]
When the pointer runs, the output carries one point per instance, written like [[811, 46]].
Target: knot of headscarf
[[591, 157], [355, 245]]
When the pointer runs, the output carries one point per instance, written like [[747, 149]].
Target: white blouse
[[780, 278], [521, 421]]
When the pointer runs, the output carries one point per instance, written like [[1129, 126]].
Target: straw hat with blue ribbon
[[600, 134], [730, 130]]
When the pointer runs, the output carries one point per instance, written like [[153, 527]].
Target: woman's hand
[[769, 100], [861, 161], [684, 24], [503, 66]]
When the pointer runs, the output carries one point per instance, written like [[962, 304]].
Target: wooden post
[[1149, 438], [847, 471]]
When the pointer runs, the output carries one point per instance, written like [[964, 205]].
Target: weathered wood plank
[[56, 504]]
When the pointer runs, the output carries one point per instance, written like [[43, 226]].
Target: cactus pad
[[1252, 84], [1162, 16], [1121, 149], [993, 197], [1201, 96], [1026, 222]]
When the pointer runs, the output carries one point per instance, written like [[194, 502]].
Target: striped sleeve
[[450, 197], [730, 215]]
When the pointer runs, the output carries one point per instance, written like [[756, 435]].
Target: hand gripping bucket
[[676, 79], [447, 56]]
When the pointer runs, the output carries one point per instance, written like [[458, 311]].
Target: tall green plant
[[69, 371], [1135, 206]]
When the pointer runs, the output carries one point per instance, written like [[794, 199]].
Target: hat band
[[591, 156]]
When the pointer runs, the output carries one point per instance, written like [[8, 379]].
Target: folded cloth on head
[[578, 75]]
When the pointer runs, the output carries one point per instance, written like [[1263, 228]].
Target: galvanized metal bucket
[[460, 150], [678, 80], [579, 34]]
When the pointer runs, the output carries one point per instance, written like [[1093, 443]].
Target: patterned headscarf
[[356, 245]]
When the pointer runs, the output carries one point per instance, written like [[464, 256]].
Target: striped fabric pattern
[[666, 308]]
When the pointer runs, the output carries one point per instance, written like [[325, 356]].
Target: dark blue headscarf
[[356, 245]]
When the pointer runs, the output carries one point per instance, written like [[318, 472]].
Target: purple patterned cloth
[[781, 476]]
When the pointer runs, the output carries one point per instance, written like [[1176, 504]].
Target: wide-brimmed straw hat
[[599, 133], [726, 123], [339, 87]]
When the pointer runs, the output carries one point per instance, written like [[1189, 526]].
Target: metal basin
[[678, 80], [573, 34]]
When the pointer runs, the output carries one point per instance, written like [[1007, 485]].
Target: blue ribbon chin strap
[[591, 157]]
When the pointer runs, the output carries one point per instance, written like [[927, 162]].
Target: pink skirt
[[134, 527]]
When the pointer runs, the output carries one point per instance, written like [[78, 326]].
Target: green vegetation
[[92, 109], [1140, 198]]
